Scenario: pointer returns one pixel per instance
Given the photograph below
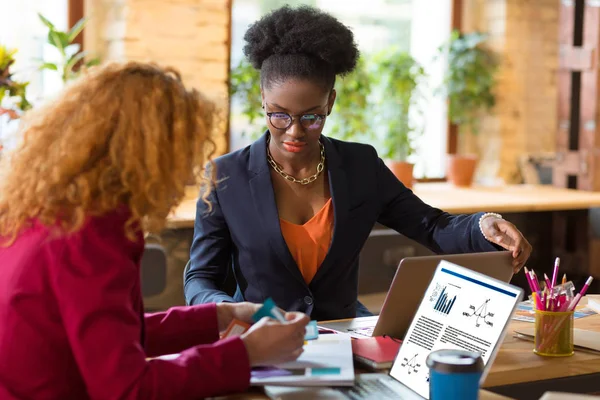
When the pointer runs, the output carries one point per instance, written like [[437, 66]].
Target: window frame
[[76, 11]]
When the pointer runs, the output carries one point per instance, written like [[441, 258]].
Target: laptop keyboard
[[374, 389]]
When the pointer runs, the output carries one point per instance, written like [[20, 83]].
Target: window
[[21, 29], [418, 27]]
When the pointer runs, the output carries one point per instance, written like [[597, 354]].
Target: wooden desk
[[509, 198], [519, 373], [257, 394], [516, 362]]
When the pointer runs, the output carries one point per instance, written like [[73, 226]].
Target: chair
[[536, 169], [153, 270]]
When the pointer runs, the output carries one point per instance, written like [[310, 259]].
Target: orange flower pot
[[403, 171]]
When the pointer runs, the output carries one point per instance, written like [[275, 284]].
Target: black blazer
[[242, 231]]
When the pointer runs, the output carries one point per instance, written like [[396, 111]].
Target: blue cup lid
[[454, 361]]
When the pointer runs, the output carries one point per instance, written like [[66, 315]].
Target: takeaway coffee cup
[[454, 374]]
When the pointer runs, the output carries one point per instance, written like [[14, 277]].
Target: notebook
[[376, 352], [593, 302], [326, 361]]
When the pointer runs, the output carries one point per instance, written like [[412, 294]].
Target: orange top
[[310, 242]]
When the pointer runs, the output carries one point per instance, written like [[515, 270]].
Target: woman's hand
[[271, 342], [244, 311], [507, 236]]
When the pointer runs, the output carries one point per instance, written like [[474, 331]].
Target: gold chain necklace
[[305, 181]]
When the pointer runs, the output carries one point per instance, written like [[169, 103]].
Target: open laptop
[[410, 281], [461, 309]]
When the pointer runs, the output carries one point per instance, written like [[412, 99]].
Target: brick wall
[[524, 34], [190, 35]]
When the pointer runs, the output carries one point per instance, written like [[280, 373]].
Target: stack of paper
[[326, 361], [593, 302], [566, 396]]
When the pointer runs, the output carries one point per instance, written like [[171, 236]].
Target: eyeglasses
[[283, 121]]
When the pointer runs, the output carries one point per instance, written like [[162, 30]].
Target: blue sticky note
[[265, 311], [325, 371], [312, 331]]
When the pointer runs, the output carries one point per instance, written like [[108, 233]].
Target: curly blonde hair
[[121, 135]]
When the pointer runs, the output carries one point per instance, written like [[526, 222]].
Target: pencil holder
[[553, 333]]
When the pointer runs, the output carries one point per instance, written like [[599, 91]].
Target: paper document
[[326, 361], [593, 302]]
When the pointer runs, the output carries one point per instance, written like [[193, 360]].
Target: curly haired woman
[[313, 200], [97, 168]]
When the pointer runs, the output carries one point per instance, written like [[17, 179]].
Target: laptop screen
[[461, 309]]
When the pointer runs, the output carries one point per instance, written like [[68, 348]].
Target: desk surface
[[509, 198], [515, 362], [258, 395]]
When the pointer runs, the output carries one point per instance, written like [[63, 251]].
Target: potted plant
[[351, 116], [13, 98], [398, 76], [10, 89], [244, 86], [70, 55], [468, 83]]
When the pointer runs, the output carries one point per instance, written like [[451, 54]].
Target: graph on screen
[[444, 302]]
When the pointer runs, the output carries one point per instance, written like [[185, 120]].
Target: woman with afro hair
[[292, 211], [98, 167]]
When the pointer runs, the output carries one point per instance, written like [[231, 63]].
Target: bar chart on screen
[[444, 302]]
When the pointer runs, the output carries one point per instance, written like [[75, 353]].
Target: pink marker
[[534, 280], [555, 273], [547, 280], [580, 294], [529, 279]]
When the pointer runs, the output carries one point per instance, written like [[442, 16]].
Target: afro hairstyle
[[304, 43]]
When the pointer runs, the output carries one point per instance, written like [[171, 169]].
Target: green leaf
[[76, 29], [92, 62], [72, 61], [50, 66], [55, 40], [46, 22], [64, 39]]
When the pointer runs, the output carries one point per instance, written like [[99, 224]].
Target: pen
[[529, 279], [555, 272], [534, 280], [547, 280], [580, 294], [564, 280]]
